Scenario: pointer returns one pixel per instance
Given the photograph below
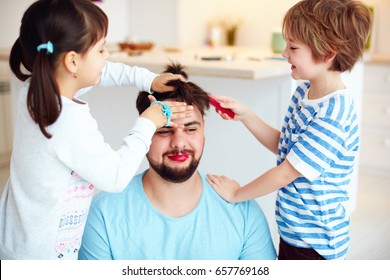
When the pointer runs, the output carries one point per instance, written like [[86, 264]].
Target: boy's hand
[[238, 108], [159, 83], [225, 187]]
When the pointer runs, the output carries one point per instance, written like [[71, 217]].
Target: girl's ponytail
[[43, 98], [15, 61]]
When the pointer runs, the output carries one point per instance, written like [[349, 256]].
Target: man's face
[[175, 152]]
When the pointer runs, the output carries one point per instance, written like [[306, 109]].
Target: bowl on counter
[[135, 48]]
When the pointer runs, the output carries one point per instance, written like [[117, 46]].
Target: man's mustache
[[179, 151]]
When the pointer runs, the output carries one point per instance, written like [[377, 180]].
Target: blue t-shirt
[[126, 226]]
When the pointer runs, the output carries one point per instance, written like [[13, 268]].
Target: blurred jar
[[278, 44], [215, 36]]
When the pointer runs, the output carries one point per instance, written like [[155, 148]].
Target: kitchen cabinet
[[375, 144]]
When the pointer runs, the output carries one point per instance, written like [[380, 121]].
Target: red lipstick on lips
[[179, 157]]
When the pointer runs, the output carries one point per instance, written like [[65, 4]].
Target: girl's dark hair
[[185, 92], [71, 25]]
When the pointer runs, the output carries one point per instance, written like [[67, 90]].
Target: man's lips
[[179, 157]]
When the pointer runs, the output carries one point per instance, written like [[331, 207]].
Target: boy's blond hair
[[330, 27]]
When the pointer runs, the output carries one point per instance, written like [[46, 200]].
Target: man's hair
[[185, 92], [328, 27]]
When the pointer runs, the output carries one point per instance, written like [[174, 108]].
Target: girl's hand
[[238, 108], [225, 187], [159, 83], [180, 110]]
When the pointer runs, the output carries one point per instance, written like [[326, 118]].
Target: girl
[[59, 156], [319, 140]]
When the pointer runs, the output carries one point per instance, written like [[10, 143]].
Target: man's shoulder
[[249, 207]]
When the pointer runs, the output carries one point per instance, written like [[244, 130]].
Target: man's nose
[[179, 139]]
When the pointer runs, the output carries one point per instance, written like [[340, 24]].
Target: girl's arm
[[120, 74], [266, 183]]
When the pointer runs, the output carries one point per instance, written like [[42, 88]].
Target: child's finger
[[182, 115], [176, 77], [178, 107]]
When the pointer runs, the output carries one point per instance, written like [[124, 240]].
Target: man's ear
[[71, 61]]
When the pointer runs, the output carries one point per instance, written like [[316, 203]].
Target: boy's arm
[[266, 183]]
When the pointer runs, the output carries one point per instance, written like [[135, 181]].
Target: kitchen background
[[188, 23]]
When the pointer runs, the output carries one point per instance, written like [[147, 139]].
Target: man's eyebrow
[[186, 125], [191, 123]]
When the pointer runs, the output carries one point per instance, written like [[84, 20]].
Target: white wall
[[381, 34], [153, 20], [117, 12], [11, 13], [185, 22], [258, 18]]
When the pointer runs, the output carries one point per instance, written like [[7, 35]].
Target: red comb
[[218, 106]]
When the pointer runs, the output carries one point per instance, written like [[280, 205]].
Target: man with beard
[[170, 211]]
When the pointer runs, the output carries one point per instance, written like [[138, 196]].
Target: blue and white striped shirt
[[320, 138]]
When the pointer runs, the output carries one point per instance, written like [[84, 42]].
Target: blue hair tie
[[165, 110], [48, 46]]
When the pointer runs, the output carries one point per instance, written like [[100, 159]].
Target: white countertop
[[240, 63], [236, 62]]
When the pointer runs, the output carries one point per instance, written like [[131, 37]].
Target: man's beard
[[175, 175]]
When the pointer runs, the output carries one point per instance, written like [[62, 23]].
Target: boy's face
[[175, 152], [303, 65]]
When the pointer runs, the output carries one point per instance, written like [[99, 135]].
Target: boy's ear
[[71, 61], [329, 57]]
